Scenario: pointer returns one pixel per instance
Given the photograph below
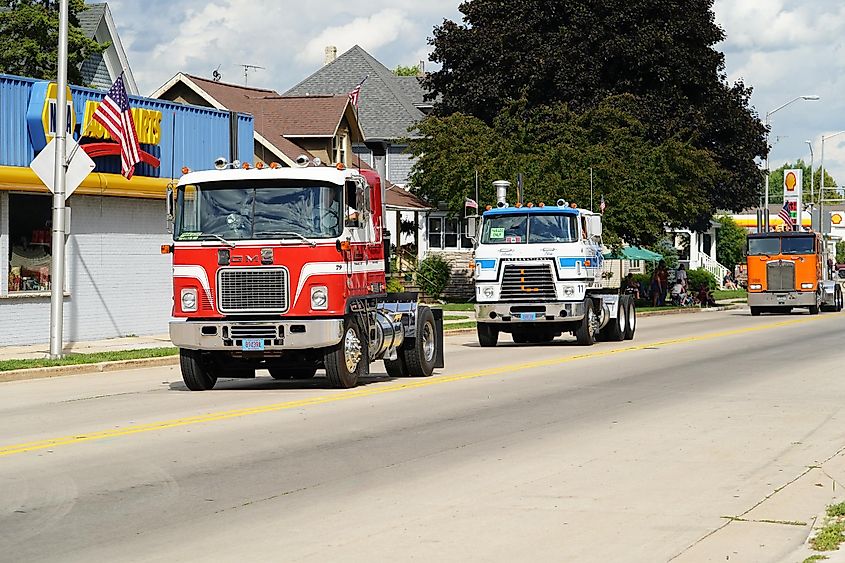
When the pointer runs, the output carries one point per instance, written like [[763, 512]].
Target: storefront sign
[[147, 124], [42, 111]]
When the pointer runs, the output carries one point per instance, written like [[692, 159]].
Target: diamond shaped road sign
[[78, 169]]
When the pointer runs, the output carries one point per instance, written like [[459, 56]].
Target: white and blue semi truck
[[539, 274]]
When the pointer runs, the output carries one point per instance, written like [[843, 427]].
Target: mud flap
[[439, 361]]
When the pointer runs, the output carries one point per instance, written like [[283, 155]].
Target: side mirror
[[471, 227], [354, 203], [595, 225], [170, 209]]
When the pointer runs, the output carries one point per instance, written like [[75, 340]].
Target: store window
[[29, 243], [444, 233]]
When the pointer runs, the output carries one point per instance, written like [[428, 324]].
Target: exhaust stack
[[501, 192]]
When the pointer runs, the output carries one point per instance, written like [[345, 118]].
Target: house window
[[339, 148], [30, 243], [444, 233]]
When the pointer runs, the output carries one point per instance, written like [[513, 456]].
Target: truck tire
[[837, 299], [585, 334], [197, 370], [292, 373], [630, 317], [519, 337], [488, 335], [755, 311], [345, 361], [420, 352], [397, 367], [615, 329]]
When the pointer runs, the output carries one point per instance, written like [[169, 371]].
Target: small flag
[[602, 205], [356, 92], [784, 214], [471, 203], [115, 115]]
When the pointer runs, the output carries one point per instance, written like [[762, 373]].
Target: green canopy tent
[[634, 253]]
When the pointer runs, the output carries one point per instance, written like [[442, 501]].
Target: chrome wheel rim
[[351, 349], [632, 318], [622, 319], [593, 320], [428, 342]]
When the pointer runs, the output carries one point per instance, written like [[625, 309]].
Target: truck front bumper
[[276, 335], [781, 298], [529, 312]]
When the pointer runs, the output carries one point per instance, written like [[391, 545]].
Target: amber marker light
[[341, 166], [245, 165], [166, 249], [185, 170], [259, 165], [275, 165]]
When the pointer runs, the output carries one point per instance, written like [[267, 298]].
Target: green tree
[[776, 181], [407, 70], [29, 39], [730, 242], [582, 52], [553, 149], [840, 252]]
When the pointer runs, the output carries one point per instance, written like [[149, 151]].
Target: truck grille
[[524, 283], [253, 290], [780, 275]]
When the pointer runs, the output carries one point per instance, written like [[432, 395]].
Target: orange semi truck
[[786, 270]]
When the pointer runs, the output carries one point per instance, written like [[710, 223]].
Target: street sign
[[78, 169]]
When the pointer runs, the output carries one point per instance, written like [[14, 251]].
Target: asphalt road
[[621, 452]]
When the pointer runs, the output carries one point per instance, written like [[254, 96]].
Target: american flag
[[115, 115], [602, 205], [356, 92], [471, 203], [784, 214]]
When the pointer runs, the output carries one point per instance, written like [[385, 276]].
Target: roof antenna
[[216, 74], [248, 68]]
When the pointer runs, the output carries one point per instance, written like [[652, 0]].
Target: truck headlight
[[488, 292], [189, 300], [806, 286], [755, 286], [319, 297], [568, 290]]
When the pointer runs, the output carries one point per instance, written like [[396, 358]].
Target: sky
[[782, 48]]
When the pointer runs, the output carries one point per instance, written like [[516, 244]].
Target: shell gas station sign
[[793, 186]]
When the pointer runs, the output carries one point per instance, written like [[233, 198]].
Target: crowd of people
[[679, 293]]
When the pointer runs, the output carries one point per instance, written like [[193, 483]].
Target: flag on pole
[[471, 203], [115, 115], [784, 214], [602, 205], [355, 93]]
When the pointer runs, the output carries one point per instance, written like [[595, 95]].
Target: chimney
[[421, 69], [331, 54]]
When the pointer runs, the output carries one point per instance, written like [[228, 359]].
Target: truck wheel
[[397, 367], [630, 317], [755, 311], [814, 309], [519, 337], [346, 360], [615, 329], [837, 299], [197, 371], [419, 353], [292, 373], [488, 335], [586, 331]]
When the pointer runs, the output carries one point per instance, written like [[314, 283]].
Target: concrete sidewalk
[[40, 351]]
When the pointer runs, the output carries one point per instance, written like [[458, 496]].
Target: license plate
[[252, 344], [528, 316]]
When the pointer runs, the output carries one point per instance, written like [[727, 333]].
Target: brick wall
[[119, 282]]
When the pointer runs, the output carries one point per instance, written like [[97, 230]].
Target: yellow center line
[[371, 391]]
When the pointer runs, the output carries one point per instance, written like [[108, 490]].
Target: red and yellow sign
[[790, 181], [837, 218]]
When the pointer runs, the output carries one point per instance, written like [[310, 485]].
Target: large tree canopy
[[554, 148], [29, 39], [581, 52]]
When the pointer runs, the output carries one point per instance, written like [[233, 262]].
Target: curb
[[688, 310], [102, 367]]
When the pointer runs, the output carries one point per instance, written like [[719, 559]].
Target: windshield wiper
[[286, 233], [218, 237]]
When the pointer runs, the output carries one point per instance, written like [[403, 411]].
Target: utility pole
[[57, 264], [591, 188]]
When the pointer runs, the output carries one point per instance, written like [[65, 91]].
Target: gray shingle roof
[[90, 18], [385, 107]]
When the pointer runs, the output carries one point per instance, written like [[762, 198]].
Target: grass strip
[[95, 358], [458, 326], [458, 307], [730, 294], [832, 533]]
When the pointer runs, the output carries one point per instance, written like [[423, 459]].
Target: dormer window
[[339, 148]]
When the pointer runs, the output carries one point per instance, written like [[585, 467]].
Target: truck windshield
[[525, 228], [763, 246], [798, 245], [265, 209]]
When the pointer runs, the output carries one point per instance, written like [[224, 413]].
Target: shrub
[[433, 275], [697, 278], [394, 285]]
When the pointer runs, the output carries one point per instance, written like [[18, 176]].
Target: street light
[[812, 205], [809, 98]]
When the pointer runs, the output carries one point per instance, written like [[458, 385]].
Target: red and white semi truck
[[285, 269]]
